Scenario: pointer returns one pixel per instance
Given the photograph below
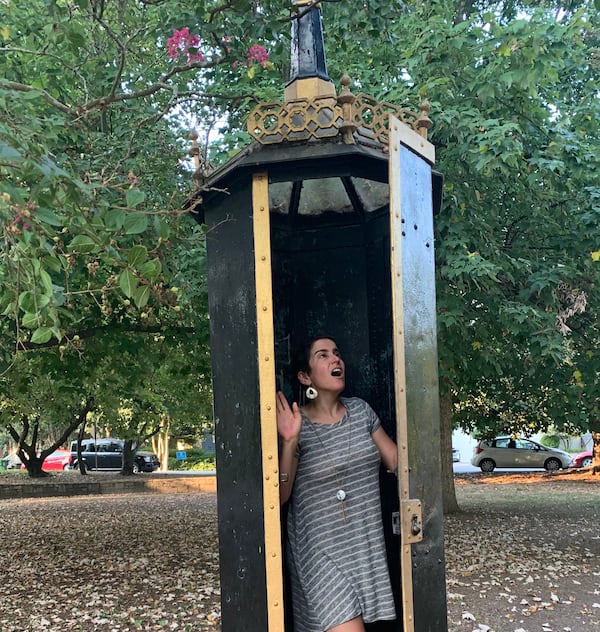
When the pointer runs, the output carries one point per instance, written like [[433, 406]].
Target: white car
[[521, 453]]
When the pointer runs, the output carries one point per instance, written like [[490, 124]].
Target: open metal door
[[416, 381]]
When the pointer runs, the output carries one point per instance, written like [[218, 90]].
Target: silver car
[[512, 451]]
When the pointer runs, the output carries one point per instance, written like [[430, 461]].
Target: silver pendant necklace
[[340, 493]]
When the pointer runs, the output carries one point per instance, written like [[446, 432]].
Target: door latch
[[411, 521]]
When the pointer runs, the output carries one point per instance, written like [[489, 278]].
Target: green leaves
[[134, 280], [134, 197], [135, 223], [82, 244]]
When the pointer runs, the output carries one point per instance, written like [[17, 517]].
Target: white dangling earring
[[312, 393]]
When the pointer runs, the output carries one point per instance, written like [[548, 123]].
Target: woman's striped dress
[[336, 550]]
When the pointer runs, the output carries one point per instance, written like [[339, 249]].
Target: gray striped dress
[[338, 567]]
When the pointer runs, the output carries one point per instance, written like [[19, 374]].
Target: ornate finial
[[424, 122], [346, 99], [311, 107]]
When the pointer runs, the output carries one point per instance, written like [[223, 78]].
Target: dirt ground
[[523, 555]]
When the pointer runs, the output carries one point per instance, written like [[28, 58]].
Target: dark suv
[[107, 454]]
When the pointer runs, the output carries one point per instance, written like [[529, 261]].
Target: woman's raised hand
[[289, 419]]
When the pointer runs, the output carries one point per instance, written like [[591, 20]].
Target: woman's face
[[327, 369]]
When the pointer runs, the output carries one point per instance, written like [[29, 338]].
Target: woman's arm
[[387, 449], [289, 423]]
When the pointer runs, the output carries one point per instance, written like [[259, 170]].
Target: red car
[[583, 459], [58, 460]]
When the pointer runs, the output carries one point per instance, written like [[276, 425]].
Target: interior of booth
[[331, 275]]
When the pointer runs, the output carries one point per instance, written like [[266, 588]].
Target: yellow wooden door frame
[[268, 420]]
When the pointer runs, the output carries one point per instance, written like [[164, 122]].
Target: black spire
[[308, 47]]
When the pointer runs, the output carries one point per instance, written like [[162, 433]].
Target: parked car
[[11, 462], [107, 454], [455, 455], [514, 452], [583, 459], [58, 460]]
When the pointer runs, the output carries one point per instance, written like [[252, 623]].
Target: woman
[[330, 453]]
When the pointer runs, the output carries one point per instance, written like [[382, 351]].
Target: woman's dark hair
[[301, 361]]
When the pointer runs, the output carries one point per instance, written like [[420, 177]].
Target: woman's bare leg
[[354, 625]]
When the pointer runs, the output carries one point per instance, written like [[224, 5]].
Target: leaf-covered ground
[[524, 553], [108, 563], [522, 556]]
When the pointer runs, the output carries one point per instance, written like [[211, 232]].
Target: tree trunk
[[596, 452], [448, 492], [80, 464], [27, 452], [33, 463], [128, 458], [160, 444]]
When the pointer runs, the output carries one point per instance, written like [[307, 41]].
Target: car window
[[115, 447], [501, 443], [527, 445]]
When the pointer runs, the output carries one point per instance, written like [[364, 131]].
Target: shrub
[[196, 459], [551, 441]]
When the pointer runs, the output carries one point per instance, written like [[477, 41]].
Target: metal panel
[[415, 345], [232, 308]]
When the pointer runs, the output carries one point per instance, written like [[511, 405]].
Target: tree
[[92, 184], [513, 88], [90, 213]]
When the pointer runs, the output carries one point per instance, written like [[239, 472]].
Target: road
[[467, 468]]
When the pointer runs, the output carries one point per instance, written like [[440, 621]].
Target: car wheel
[[136, 468], [552, 465], [586, 462], [487, 465]]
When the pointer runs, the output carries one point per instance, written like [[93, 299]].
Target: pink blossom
[[182, 43], [258, 53]]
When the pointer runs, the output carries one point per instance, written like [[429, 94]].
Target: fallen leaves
[[524, 558], [519, 558], [110, 563]]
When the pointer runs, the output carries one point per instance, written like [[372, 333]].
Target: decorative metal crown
[[355, 117]]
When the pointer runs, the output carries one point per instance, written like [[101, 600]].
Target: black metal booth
[[324, 224]]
